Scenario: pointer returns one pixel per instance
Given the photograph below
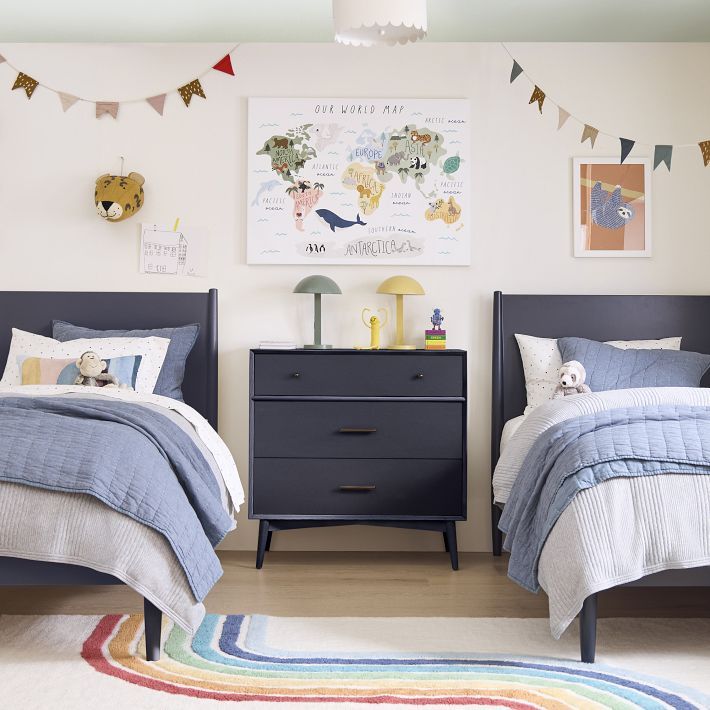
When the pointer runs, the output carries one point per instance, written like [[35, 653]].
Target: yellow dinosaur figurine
[[375, 325]]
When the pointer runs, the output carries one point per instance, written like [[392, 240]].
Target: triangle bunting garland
[[515, 72], [27, 83], [67, 101], [157, 102], [589, 133], [193, 88], [225, 65], [106, 107], [662, 154], [538, 95], [562, 118], [626, 147]]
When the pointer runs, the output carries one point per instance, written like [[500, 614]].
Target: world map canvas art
[[359, 181]]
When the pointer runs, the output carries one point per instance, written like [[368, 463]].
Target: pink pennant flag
[[564, 115], [107, 107], [157, 102], [67, 100]]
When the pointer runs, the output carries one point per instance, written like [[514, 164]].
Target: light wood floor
[[359, 584]]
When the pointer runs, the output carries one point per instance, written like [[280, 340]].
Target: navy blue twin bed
[[146, 465], [587, 488]]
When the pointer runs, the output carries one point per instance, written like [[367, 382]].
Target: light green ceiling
[[310, 20]]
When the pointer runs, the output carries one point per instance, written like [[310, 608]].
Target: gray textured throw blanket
[[582, 452], [130, 457]]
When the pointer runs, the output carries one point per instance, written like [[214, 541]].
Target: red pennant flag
[[225, 65]]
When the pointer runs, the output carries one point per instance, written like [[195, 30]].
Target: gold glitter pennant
[[194, 88], [705, 150], [27, 83], [537, 95]]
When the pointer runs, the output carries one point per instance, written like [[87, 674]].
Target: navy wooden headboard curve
[[586, 316], [34, 311]]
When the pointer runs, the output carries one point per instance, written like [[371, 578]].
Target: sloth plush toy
[[91, 372], [571, 378]]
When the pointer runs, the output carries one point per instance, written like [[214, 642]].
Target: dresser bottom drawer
[[357, 487]]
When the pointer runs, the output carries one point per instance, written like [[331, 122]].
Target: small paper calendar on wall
[[359, 181]]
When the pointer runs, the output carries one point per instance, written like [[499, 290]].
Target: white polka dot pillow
[[30, 345], [541, 361]]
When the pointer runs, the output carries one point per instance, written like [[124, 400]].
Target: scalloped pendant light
[[369, 23]]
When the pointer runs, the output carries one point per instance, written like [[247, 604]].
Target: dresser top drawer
[[345, 373]]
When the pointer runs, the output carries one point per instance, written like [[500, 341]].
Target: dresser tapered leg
[[268, 540], [262, 545], [446, 543], [452, 547]]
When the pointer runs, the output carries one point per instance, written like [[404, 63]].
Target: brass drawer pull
[[357, 489], [419, 376], [357, 430], [295, 374]]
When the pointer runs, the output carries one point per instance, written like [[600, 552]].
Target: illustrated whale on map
[[333, 220]]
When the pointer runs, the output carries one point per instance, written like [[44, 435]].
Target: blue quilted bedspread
[[132, 458], [584, 451]]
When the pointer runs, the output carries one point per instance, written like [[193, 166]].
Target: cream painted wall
[[195, 165]]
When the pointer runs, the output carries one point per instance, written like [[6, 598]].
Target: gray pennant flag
[[662, 154], [515, 72], [626, 146]]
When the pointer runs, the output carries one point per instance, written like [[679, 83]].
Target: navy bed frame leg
[[496, 534], [451, 545], [263, 544], [153, 623], [588, 629]]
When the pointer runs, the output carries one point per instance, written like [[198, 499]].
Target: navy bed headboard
[[594, 317], [34, 311]]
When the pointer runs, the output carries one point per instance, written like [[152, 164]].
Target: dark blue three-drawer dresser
[[343, 437]]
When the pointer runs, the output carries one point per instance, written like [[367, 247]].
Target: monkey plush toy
[[91, 372]]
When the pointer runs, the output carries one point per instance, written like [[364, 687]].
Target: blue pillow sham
[[182, 340], [610, 368]]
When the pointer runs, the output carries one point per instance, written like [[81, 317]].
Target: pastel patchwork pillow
[[542, 360], [182, 339], [27, 345], [63, 371]]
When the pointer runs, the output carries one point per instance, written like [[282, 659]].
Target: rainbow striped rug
[[302, 662]]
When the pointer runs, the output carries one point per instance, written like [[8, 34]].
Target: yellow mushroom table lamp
[[401, 286], [317, 285]]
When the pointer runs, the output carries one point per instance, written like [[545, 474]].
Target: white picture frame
[[596, 227]]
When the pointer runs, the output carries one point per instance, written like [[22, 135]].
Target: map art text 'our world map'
[[358, 181]]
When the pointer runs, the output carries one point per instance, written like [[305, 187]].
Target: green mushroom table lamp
[[401, 286], [317, 285]]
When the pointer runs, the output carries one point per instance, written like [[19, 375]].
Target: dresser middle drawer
[[287, 429]]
